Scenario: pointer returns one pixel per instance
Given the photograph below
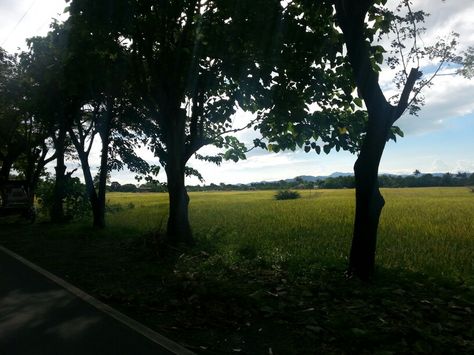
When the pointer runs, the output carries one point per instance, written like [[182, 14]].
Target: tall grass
[[429, 230]]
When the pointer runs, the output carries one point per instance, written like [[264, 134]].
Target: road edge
[[157, 338]]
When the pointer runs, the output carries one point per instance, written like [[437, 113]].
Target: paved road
[[37, 316]]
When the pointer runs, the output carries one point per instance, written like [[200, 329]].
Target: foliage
[[11, 140], [76, 203], [467, 64], [314, 106], [123, 188], [287, 195]]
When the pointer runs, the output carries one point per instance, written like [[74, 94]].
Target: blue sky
[[439, 140]]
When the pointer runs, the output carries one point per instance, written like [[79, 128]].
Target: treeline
[[342, 182], [418, 180]]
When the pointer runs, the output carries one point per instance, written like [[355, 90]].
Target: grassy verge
[[268, 276]]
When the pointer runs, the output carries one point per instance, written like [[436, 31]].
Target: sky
[[440, 139]]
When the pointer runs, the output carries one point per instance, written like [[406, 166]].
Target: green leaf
[[358, 101]]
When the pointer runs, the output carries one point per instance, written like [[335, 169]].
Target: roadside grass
[[267, 276]]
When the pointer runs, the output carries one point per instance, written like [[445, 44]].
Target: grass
[[428, 230], [268, 274]]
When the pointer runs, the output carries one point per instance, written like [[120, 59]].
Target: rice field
[[427, 230]]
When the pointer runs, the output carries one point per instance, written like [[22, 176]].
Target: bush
[[76, 203], [287, 195]]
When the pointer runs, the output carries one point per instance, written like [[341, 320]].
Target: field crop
[[428, 230]]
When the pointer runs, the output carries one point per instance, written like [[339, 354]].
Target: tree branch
[[400, 50], [407, 89], [248, 125]]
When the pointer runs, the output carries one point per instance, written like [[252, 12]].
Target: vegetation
[[75, 198], [287, 195], [310, 183], [171, 75], [277, 280]]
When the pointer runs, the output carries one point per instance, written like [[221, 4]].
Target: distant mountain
[[338, 174], [311, 178], [306, 178], [319, 178]]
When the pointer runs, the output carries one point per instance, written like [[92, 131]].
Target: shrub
[[287, 195], [76, 203]]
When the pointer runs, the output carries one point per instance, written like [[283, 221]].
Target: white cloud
[[449, 98], [440, 165], [465, 165]]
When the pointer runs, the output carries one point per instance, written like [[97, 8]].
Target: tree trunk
[[99, 218], [178, 228], [369, 201], [6, 168], [59, 190], [32, 175], [91, 192]]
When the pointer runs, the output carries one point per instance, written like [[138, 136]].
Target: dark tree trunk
[[369, 201], [6, 168], [34, 169], [178, 228], [34, 180], [99, 216], [98, 219], [91, 192], [32, 175], [59, 190]]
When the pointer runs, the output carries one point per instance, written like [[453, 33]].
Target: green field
[[269, 274], [428, 230]]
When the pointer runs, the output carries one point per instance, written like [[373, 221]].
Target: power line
[[19, 21]]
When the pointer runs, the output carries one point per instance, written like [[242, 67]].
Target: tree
[[24, 140], [55, 104], [340, 59], [194, 64], [11, 139], [98, 68], [382, 113]]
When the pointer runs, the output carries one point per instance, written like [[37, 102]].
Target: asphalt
[[39, 316]]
